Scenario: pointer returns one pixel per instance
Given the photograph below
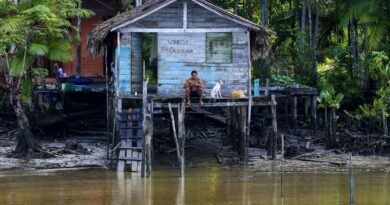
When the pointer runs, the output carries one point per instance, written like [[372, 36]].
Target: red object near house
[[90, 67]]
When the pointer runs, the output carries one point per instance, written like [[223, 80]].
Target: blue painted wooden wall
[[125, 65], [176, 61]]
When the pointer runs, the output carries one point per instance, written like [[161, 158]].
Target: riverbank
[[203, 148], [197, 156], [94, 155]]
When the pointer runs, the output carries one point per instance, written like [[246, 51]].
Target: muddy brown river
[[201, 186]]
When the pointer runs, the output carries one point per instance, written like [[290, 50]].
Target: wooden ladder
[[131, 140]]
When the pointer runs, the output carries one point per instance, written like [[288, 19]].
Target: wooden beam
[[219, 104], [146, 149], [174, 131], [181, 30], [274, 127], [294, 111], [117, 62], [143, 16], [249, 114], [314, 113], [181, 133]]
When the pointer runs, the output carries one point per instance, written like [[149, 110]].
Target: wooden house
[[187, 35], [184, 35], [90, 67]]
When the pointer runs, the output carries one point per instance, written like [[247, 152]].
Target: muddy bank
[[70, 151], [203, 148], [95, 156], [200, 153]]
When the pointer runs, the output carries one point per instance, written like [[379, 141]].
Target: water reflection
[[199, 186]]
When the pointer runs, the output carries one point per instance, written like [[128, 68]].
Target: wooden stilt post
[[282, 172], [181, 135], [314, 113], [249, 110], [294, 112], [286, 114], [274, 127], [306, 103], [177, 143], [148, 143], [242, 132], [107, 104], [234, 127], [351, 182], [248, 129], [147, 125], [226, 141], [120, 167]]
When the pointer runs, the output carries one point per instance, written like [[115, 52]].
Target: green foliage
[[40, 72], [284, 80], [152, 77], [373, 12], [335, 77], [26, 92], [380, 66], [34, 28], [329, 98], [380, 70]]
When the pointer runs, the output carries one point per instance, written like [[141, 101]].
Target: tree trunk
[[384, 122], [330, 128], [303, 27], [303, 23], [353, 48], [264, 13], [308, 34], [264, 66], [78, 60], [314, 45], [297, 13], [25, 145], [356, 48], [235, 6], [365, 47], [249, 6]]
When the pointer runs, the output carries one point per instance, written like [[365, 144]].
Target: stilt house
[[184, 35]]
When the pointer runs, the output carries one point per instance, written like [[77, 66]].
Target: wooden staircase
[[131, 145]]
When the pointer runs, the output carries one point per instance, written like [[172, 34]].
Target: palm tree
[[373, 16]]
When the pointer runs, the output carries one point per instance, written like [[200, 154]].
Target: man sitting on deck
[[194, 88]]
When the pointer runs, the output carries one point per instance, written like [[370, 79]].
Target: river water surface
[[201, 186]]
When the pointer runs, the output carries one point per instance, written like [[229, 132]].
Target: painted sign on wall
[[183, 47]]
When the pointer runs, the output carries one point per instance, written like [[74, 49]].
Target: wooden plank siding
[[168, 17], [136, 62], [125, 64], [199, 17], [174, 71]]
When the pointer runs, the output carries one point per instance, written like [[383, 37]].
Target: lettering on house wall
[[183, 47]]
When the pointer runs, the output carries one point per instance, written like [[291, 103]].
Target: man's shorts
[[194, 94]]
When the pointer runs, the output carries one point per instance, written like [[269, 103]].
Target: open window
[[219, 47]]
